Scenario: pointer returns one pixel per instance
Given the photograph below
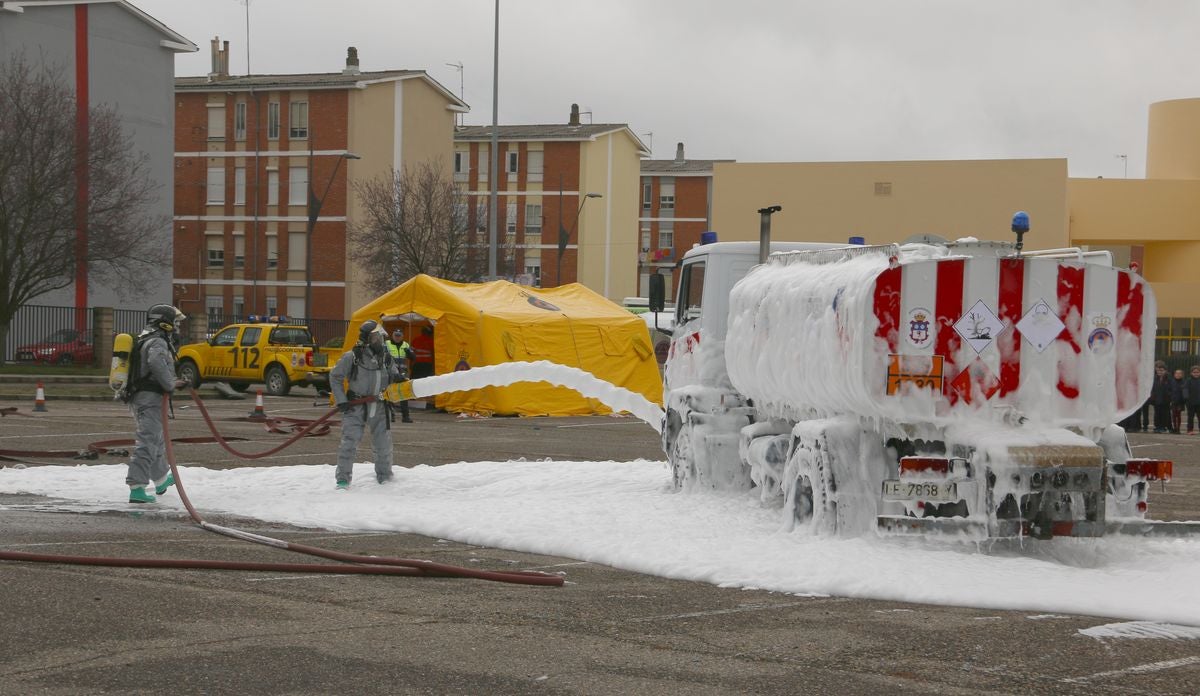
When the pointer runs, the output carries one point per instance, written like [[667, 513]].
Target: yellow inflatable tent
[[478, 324]]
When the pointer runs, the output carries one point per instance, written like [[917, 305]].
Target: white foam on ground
[[1141, 630], [624, 514]]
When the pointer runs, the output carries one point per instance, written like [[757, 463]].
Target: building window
[[239, 186], [666, 235], [647, 194], [513, 159], [216, 123], [533, 267], [214, 308], [273, 120], [272, 252], [239, 121], [272, 305], [484, 169], [216, 185], [298, 120], [216, 257], [645, 239], [883, 188], [511, 219], [273, 187], [297, 185], [666, 194], [461, 165], [533, 219], [239, 256], [296, 251], [534, 164], [239, 307]]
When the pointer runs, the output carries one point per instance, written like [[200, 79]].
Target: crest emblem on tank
[[918, 327]]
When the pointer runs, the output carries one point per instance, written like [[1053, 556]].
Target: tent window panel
[[615, 341]]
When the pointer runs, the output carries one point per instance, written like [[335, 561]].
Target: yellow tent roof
[[491, 323]]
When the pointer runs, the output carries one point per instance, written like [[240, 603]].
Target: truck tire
[[189, 373], [811, 493], [276, 380]]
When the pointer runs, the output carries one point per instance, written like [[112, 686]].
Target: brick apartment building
[[247, 150], [573, 179], [676, 206]]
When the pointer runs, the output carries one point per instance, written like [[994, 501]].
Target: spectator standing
[[401, 354], [1178, 401], [1160, 397], [1191, 398]]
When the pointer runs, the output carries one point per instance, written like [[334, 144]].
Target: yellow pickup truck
[[278, 356]]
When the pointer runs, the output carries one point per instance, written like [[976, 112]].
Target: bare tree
[[416, 221], [38, 152]]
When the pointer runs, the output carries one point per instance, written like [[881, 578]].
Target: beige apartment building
[[1152, 222], [567, 201]]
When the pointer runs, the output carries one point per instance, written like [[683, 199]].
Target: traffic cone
[[258, 413], [39, 400]]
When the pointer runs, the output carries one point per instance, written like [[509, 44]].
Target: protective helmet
[[364, 331], [398, 335], [165, 317]]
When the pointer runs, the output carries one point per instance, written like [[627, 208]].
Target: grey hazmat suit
[[156, 376], [375, 372]]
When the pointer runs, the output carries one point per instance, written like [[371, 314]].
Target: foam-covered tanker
[[964, 385]]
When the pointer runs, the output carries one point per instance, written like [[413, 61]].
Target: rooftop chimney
[[220, 60], [351, 62], [678, 152], [574, 115]]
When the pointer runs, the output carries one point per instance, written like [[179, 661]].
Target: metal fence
[[50, 336], [130, 321]]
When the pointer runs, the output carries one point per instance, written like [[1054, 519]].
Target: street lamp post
[[314, 211], [563, 235]]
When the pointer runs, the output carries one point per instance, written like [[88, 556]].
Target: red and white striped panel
[[1083, 376]]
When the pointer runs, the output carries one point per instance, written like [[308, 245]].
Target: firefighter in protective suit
[[156, 346], [365, 371]]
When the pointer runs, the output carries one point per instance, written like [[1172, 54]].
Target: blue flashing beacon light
[[1020, 225], [859, 241], [708, 237]]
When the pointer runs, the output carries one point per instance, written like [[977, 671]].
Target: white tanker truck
[[956, 386]]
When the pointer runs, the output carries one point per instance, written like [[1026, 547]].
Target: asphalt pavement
[[82, 630]]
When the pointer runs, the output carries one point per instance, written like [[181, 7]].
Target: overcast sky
[[764, 80]]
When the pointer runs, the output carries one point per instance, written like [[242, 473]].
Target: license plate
[[920, 490]]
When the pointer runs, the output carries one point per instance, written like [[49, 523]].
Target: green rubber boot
[[167, 483], [139, 495], [343, 485]]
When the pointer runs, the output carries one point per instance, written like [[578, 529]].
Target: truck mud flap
[[1152, 528], [956, 526]]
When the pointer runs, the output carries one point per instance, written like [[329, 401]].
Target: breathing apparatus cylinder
[[118, 374]]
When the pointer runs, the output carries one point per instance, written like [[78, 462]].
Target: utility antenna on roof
[[461, 89], [246, 4]]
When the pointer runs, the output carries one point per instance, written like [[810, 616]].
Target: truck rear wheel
[[811, 495], [276, 380]]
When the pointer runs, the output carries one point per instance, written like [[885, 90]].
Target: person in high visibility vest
[[401, 353]]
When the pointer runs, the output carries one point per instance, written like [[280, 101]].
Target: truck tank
[[936, 333]]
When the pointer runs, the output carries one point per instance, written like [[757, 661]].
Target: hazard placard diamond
[[1040, 326]]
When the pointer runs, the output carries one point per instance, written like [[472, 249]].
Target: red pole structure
[[82, 104]]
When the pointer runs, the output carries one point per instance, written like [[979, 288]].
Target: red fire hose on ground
[[348, 563]]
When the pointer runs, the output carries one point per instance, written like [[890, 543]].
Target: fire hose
[[348, 563]]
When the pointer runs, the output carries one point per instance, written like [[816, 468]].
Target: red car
[[63, 347]]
